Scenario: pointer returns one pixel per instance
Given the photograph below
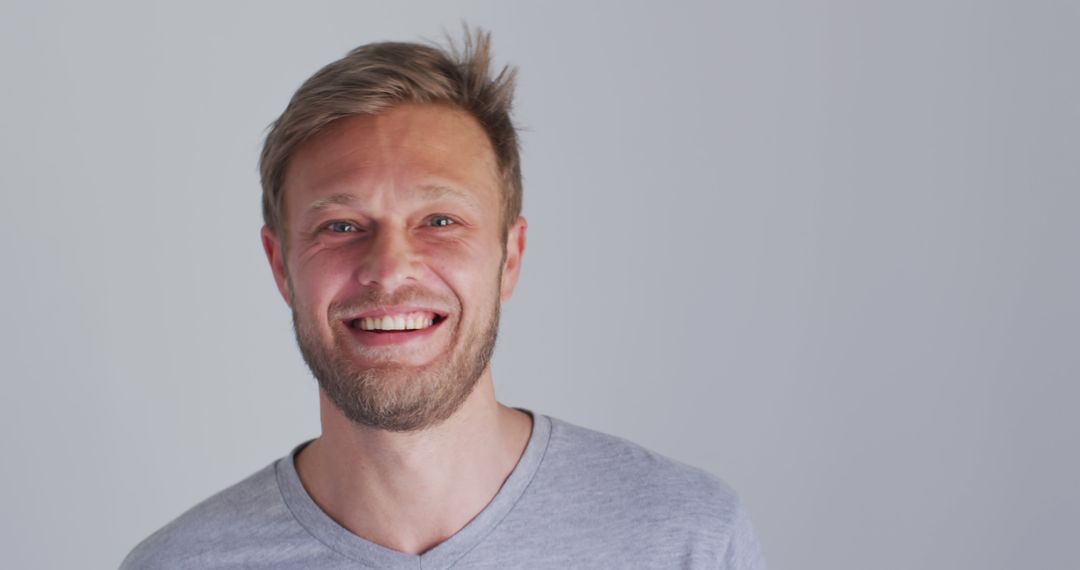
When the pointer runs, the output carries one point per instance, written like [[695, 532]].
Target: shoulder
[[228, 523], [661, 503], [599, 460]]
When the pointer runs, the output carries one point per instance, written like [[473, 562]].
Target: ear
[[515, 249], [276, 256]]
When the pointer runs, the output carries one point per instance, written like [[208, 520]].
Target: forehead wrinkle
[[387, 144], [426, 192]]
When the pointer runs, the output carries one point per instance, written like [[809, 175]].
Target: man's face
[[393, 221]]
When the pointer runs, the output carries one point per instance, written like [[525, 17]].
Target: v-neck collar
[[443, 555]]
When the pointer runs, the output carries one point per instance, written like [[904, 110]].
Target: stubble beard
[[394, 397]]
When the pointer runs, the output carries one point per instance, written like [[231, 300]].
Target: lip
[[396, 310], [392, 338]]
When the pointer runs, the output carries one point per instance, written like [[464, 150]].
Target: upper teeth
[[406, 321]]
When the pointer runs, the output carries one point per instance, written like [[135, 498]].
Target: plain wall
[[826, 250]]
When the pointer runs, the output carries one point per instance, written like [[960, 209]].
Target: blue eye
[[341, 227], [441, 221]]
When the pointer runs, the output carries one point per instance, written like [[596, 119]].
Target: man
[[392, 202]]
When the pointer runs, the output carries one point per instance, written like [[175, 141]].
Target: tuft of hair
[[377, 76]]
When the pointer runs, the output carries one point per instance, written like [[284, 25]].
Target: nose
[[389, 262]]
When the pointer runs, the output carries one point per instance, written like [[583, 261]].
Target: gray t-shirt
[[578, 498]]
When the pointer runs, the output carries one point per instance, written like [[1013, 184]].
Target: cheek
[[472, 279], [469, 272], [315, 280]]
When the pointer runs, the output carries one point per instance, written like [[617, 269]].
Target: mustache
[[375, 299]]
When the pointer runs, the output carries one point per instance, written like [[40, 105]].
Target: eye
[[440, 221], [341, 227]]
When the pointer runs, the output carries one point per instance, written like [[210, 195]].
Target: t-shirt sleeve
[[744, 548]]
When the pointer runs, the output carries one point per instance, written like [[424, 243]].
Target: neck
[[411, 491]]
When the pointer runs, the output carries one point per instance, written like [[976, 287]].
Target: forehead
[[407, 149]]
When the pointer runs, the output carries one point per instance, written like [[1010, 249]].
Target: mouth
[[397, 323]]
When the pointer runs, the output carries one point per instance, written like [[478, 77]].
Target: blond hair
[[376, 76]]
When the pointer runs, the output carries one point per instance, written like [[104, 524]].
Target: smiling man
[[393, 228]]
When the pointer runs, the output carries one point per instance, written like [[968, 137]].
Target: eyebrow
[[332, 200], [429, 192]]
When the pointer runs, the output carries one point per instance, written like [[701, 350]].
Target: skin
[[405, 490]]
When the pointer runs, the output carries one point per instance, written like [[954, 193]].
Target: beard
[[391, 396]]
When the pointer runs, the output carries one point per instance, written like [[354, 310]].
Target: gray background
[[826, 250]]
